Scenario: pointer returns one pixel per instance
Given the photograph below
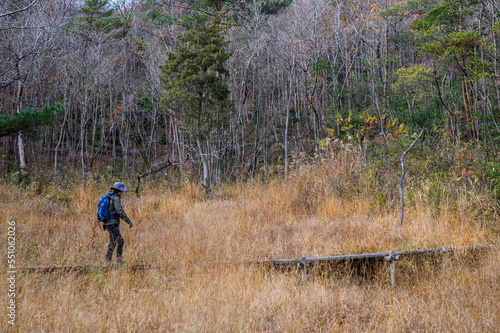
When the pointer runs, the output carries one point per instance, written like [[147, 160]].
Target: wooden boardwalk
[[86, 268], [303, 264], [363, 264]]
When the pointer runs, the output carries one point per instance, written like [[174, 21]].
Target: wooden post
[[303, 265], [393, 272], [444, 251], [392, 259]]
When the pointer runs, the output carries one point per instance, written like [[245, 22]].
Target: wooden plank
[[80, 269], [300, 262]]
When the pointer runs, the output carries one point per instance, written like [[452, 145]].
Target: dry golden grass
[[313, 214]]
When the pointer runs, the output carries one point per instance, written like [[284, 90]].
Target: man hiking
[[116, 212]]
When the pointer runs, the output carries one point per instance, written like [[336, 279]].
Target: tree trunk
[[286, 142], [82, 144], [60, 139], [206, 171], [20, 142]]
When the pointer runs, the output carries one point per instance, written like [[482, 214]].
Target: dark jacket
[[115, 210]]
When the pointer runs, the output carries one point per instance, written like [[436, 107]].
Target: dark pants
[[115, 238]]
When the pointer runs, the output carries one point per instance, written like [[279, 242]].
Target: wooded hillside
[[115, 87]]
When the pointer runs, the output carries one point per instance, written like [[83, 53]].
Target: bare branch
[[20, 10], [26, 27], [403, 175], [166, 165]]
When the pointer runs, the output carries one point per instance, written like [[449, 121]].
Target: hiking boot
[[120, 260], [108, 263]]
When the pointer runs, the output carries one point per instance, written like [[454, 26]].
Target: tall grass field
[[328, 208]]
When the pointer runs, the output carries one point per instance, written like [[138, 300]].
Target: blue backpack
[[102, 209]]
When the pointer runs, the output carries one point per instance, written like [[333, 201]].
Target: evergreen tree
[[26, 119], [193, 78], [97, 20], [448, 33]]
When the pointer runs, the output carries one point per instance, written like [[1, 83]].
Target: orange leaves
[[366, 11], [118, 61], [53, 78], [324, 21], [417, 17], [117, 110]]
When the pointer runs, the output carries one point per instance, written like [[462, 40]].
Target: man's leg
[[113, 238], [119, 248]]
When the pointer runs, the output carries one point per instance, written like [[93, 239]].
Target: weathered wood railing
[[355, 259]]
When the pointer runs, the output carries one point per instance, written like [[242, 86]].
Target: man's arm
[[119, 209]]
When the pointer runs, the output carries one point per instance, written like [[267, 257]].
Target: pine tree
[[27, 119], [97, 19], [193, 78]]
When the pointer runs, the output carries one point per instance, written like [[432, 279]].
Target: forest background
[[81, 88]]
